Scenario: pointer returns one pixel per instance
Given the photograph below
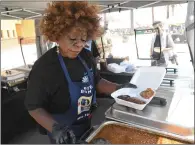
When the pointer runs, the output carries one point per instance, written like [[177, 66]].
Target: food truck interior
[[124, 50]]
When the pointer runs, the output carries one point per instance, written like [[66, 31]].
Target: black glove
[[127, 85], [62, 134], [94, 107]]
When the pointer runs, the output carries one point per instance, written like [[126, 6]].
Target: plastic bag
[[115, 68], [128, 66]]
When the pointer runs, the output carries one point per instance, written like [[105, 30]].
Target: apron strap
[[64, 68], [68, 77], [66, 71], [90, 78], [87, 69]]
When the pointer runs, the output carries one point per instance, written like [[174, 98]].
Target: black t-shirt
[[157, 41], [47, 85]]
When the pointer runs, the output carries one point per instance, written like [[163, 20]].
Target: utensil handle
[[158, 101], [88, 132]]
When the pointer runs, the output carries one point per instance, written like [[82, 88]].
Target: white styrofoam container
[[145, 77], [148, 77], [132, 93]]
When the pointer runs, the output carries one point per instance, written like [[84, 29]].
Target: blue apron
[[78, 117]]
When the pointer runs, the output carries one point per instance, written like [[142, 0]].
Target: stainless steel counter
[[175, 119]]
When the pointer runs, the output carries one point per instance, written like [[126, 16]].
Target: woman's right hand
[[62, 134]]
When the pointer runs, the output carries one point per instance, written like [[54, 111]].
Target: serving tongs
[[158, 101], [94, 141]]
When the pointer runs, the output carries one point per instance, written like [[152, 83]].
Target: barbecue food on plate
[[131, 99], [147, 94], [117, 134]]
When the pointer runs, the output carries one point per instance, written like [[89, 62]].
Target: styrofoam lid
[[148, 77]]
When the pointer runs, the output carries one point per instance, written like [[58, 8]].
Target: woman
[[63, 81], [165, 41]]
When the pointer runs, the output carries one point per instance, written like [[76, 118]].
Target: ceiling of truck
[[16, 9]]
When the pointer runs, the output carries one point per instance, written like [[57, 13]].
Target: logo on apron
[[84, 104], [85, 79]]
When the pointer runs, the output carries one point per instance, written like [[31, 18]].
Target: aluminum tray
[[157, 118], [93, 134], [138, 119]]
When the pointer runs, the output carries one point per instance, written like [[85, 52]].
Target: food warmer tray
[[142, 119], [129, 125]]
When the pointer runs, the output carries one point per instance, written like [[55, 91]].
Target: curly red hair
[[61, 17]]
